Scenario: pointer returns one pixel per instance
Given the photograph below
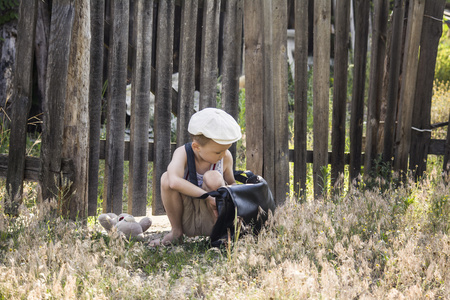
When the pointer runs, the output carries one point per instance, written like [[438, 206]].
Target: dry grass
[[366, 245], [440, 108]]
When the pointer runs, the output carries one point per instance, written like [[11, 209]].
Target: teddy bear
[[125, 224]]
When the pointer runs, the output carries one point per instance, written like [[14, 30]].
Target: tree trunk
[[8, 36], [76, 116]]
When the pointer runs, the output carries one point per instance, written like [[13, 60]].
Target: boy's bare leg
[[212, 180], [173, 205]]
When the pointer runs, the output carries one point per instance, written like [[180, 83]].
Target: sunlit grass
[[440, 108], [366, 243]]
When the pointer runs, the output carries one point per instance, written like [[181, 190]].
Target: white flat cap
[[215, 124]]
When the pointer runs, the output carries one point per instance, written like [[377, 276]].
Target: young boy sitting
[[212, 131]]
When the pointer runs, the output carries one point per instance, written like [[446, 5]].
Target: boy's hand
[[212, 204]]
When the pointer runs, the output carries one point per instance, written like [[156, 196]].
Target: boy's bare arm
[[228, 173], [175, 172]]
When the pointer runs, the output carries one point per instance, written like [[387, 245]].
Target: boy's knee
[[164, 181], [212, 180]]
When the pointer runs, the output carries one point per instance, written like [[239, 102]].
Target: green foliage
[[8, 11], [442, 71]]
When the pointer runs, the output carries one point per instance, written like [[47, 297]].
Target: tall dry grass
[[367, 244]]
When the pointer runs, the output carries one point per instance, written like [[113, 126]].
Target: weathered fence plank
[[164, 68], [55, 96], [116, 107], [140, 107], [378, 53], [280, 96], [340, 92], [209, 54], [321, 85], [359, 80], [446, 165], [231, 64], [429, 41], [186, 81], [394, 73], [21, 104], [95, 99], [254, 90], [268, 96], [408, 86], [76, 116], [301, 95]]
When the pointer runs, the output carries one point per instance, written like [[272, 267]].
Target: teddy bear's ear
[[106, 221], [145, 223]]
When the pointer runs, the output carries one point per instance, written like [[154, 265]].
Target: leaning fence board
[[73, 202], [231, 64], [254, 92], [140, 107], [164, 67], [359, 79], [55, 95], [268, 107], [429, 41], [21, 104], [394, 73], [378, 53], [301, 95], [209, 53], [116, 108], [321, 85], [95, 99], [408, 86], [446, 165], [186, 81], [280, 99], [340, 92]]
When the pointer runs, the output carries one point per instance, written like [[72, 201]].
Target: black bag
[[250, 202]]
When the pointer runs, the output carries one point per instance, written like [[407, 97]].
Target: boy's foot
[[168, 239]]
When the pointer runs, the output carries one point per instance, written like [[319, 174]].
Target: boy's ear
[[195, 146]]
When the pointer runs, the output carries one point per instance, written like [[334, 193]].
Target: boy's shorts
[[198, 217]]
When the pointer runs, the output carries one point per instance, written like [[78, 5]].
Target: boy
[[212, 131]]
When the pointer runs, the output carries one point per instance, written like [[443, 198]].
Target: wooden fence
[[73, 111]]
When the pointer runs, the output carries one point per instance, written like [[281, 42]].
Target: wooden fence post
[[75, 144], [21, 103], [321, 85], [186, 81], [429, 42], [446, 165], [95, 99], [378, 53], [55, 97], [280, 99], [268, 107], [359, 80], [140, 108], [394, 73], [254, 91], [164, 68], [409, 76], [301, 95], [231, 66], [340, 92], [209, 53], [115, 130]]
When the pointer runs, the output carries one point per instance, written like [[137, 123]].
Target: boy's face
[[211, 152]]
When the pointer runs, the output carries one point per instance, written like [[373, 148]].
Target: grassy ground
[[367, 244]]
